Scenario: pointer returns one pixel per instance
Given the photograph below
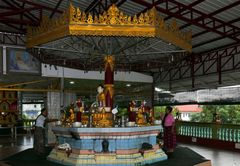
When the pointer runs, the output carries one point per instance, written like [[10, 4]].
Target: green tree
[[227, 114], [159, 111]]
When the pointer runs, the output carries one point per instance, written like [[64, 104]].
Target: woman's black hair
[[43, 109], [164, 118], [169, 108]]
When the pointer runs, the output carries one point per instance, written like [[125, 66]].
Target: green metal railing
[[224, 132], [28, 124]]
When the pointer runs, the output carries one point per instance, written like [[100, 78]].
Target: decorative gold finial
[[109, 60]]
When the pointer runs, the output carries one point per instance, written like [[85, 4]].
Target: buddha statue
[[101, 96], [140, 115], [72, 116], [80, 106], [104, 114], [131, 111], [105, 121]]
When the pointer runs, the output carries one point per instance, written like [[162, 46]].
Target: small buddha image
[[101, 96], [79, 103], [68, 114], [105, 121], [104, 114], [131, 111], [72, 117], [80, 106], [149, 117], [140, 115]]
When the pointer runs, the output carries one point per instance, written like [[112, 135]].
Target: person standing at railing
[[169, 137]]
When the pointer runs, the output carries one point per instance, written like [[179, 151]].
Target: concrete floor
[[9, 146]]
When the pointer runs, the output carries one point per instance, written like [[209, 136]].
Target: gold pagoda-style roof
[[111, 23]]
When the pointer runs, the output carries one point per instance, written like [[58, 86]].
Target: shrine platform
[[183, 156], [124, 146]]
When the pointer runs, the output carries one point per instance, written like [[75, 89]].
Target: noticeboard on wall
[[19, 60]]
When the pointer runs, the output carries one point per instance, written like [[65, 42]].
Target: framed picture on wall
[[19, 60]]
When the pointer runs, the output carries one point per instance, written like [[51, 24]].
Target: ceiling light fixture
[[158, 89]]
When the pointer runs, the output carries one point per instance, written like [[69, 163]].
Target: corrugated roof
[[213, 45], [132, 7]]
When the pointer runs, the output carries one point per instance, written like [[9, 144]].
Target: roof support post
[[153, 91], [219, 68], [192, 70], [170, 79]]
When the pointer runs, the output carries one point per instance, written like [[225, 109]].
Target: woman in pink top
[[169, 130]]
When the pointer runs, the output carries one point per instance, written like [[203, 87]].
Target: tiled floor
[[218, 157], [9, 146]]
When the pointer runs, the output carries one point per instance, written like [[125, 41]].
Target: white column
[[4, 60], [62, 102], [53, 107]]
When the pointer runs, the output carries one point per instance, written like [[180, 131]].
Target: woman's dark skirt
[[169, 138], [39, 140]]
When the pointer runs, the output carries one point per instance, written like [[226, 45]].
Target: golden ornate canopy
[[111, 23]]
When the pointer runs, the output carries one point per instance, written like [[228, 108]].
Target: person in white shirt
[[39, 134]]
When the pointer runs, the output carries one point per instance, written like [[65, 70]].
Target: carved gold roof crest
[[112, 22]]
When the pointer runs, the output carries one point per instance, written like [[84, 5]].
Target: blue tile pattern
[[116, 142]]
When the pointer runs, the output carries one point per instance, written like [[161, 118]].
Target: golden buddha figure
[[101, 96], [105, 119], [104, 114], [67, 116], [140, 116], [71, 117]]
